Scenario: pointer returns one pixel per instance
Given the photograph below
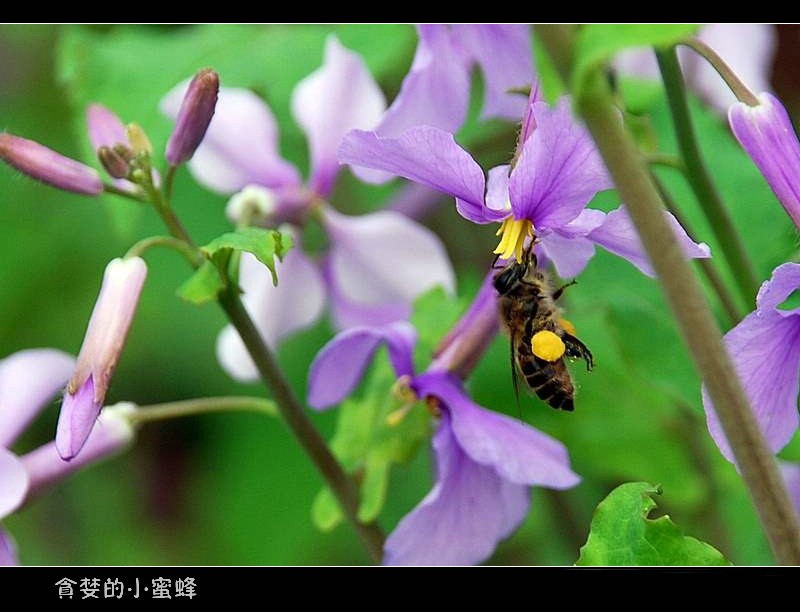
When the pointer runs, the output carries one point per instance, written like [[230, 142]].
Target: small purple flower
[[748, 48], [47, 166], [376, 265], [767, 134], [28, 381], [105, 338], [486, 462], [557, 172], [194, 115], [765, 350]]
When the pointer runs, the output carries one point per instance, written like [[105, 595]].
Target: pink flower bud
[[194, 116]]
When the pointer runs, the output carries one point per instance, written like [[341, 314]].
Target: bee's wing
[[514, 375]]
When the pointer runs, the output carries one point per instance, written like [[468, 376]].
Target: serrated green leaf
[[622, 533], [598, 43], [203, 286], [264, 244]]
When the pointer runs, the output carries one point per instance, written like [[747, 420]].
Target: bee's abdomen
[[550, 381]]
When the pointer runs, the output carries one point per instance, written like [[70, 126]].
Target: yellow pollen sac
[[513, 233], [568, 327], [140, 143], [547, 345], [394, 418]]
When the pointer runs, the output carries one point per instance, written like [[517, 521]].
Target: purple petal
[[559, 170], [497, 190], [13, 482], [194, 115], [435, 92], [516, 451], [569, 255], [112, 434], [338, 97], [78, 414], [784, 281], [340, 365], [347, 313], [618, 235], [505, 57], [765, 350], [766, 133], [752, 62], [529, 119], [8, 551], [240, 146], [468, 511], [385, 257], [105, 128], [28, 381], [424, 155], [296, 303], [791, 476]]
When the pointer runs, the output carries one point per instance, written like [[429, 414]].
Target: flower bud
[[195, 114], [113, 162]]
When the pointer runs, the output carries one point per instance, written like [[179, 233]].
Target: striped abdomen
[[550, 381]]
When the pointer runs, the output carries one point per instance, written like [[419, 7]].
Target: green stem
[[735, 314], [700, 179], [623, 160], [124, 194], [170, 242], [737, 86], [666, 160], [292, 412], [169, 181], [185, 408]]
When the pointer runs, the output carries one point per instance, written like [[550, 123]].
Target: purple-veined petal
[[468, 511], [296, 303], [618, 235], [497, 189], [79, 411], [425, 155], [29, 379], [340, 365], [749, 50], [784, 281], [241, 144], [338, 97], [765, 350], [791, 476], [504, 54], [559, 170], [105, 128], [112, 434], [8, 550], [13, 482], [516, 451], [569, 254], [767, 134], [385, 257]]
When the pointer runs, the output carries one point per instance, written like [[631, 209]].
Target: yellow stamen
[[140, 143], [513, 234], [568, 327], [547, 345], [402, 390], [393, 419]]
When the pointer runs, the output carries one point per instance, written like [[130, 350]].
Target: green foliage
[[203, 286], [597, 43], [622, 533]]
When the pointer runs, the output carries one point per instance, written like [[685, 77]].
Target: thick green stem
[[700, 179], [191, 407], [700, 332], [292, 412]]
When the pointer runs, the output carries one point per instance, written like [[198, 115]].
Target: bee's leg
[[558, 292], [577, 350], [494, 263]]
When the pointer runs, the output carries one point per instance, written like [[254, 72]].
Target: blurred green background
[[236, 489]]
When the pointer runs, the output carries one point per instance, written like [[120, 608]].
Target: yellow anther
[[140, 143], [402, 390], [568, 327], [547, 345], [513, 233], [393, 419]]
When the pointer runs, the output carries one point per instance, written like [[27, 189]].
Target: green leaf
[[325, 511], [203, 286], [622, 533], [264, 244], [596, 44]]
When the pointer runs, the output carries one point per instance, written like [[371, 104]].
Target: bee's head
[[508, 277]]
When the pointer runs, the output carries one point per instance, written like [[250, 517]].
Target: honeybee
[[527, 306]]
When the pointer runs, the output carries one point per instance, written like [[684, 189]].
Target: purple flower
[[767, 134], [194, 115], [765, 350], [486, 462], [28, 381], [376, 265], [105, 337], [557, 172], [752, 60], [43, 164]]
